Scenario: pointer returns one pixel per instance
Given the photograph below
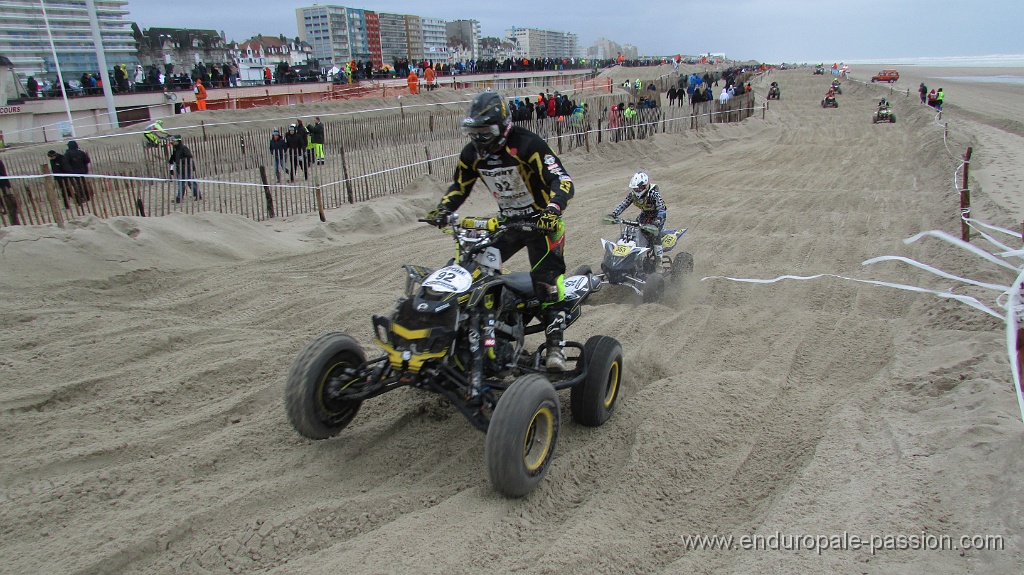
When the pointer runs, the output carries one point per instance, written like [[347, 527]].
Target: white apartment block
[[24, 40], [533, 43]]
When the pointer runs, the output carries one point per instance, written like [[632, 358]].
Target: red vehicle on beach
[[889, 76]]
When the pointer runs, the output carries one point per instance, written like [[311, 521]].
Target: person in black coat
[[278, 151], [63, 184], [182, 164], [5, 189], [316, 140], [296, 150], [77, 161]]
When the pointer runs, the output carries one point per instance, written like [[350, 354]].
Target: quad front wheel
[[583, 270], [593, 400], [315, 381], [522, 435]]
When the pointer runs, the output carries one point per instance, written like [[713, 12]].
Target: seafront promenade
[[46, 120]]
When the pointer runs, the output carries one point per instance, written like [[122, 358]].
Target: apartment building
[[25, 42], [533, 43]]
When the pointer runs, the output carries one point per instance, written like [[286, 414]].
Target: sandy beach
[[142, 422]]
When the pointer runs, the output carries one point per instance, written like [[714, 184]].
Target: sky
[[772, 31]]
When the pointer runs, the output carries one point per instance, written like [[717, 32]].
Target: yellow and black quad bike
[[460, 332], [773, 91]]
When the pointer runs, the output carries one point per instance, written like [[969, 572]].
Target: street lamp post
[[60, 77], [101, 59]]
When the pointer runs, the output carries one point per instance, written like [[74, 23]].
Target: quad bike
[[836, 88], [819, 71], [883, 115], [631, 261], [162, 142], [829, 102], [773, 91], [460, 331]]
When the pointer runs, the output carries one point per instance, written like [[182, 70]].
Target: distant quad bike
[[883, 115], [819, 70], [630, 261], [460, 332], [773, 91], [836, 87], [829, 102]]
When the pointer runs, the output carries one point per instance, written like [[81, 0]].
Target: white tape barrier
[[223, 182], [1009, 297]]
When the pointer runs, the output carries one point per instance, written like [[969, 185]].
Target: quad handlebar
[[468, 243], [648, 228]]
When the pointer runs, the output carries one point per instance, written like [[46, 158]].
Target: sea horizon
[[987, 61]]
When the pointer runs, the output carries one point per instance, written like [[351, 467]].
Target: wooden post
[[586, 139], [965, 200], [51, 195], [764, 109], [344, 168], [202, 124], [401, 109], [430, 168], [558, 134], [599, 130], [242, 138], [320, 200], [266, 191]]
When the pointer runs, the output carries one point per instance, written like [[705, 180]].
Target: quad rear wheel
[[682, 263], [593, 400], [654, 287], [315, 379], [522, 435]]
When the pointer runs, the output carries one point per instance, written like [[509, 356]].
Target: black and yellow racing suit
[[524, 176]]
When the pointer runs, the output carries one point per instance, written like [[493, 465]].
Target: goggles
[[482, 134]]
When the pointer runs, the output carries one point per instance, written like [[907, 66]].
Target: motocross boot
[[555, 334], [659, 258]]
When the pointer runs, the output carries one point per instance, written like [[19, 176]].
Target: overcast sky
[[766, 30]]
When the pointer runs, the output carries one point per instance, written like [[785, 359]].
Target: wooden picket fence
[[366, 156]]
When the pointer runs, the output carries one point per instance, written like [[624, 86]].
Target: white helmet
[[640, 184]]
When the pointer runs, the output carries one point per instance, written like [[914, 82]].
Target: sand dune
[[143, 430]]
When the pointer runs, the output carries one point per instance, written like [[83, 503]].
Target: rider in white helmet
[[644, 195]]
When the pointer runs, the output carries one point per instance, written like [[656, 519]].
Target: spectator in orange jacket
[[414, 83], [429, 76], [200, 95]]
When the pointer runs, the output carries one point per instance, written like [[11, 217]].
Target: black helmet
[[487, 122]]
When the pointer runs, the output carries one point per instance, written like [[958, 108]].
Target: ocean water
[[990, 61], [1000, 79]]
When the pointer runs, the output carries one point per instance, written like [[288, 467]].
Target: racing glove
[[549, 219], [439, 216]]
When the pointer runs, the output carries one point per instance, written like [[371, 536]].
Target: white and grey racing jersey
[[651, 205]]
